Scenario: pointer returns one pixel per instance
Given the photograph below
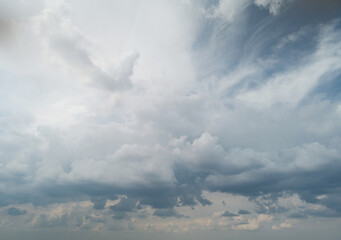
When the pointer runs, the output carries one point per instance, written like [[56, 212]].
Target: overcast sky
[[170, 119]]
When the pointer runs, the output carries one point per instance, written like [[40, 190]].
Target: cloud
[[66, 46], [228, 9], [165, 213], [243, 212], [229, 214], [253, 223], [125, 205], [291, 87], [99, 203], [120, 215], [44, 221], [274, 6], [298, 215], [218, 97], [15, 211], [282, 225]]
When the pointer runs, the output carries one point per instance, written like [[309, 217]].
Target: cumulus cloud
[[253, 223], [66, 46]]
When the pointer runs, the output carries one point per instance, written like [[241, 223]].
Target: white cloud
[[274, 6], [253, 223], [229, 9], [282, 225], [66, 46]]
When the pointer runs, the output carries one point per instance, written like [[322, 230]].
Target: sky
[[170, 119]]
